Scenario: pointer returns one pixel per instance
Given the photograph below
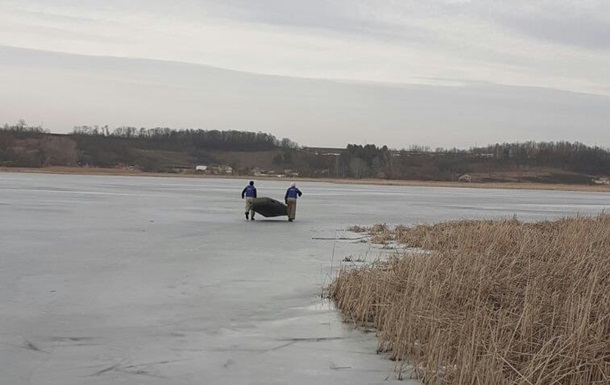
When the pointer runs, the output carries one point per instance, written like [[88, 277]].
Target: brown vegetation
[[495, 302]]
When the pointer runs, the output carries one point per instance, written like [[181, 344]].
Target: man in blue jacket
[[291, 200], [249, 192]]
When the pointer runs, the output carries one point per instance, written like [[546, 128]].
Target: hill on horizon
[[260, 154]]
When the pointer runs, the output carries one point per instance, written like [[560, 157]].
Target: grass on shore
[[495, 302]]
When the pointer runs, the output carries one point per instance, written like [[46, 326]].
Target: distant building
[[291, 173], [215, 170], [465, 178], [601, 181]]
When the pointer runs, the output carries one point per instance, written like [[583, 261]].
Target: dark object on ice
[[269, 207]]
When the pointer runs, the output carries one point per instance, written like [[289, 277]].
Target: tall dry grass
[[496, 302]]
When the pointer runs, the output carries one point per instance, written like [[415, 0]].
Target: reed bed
[[494, 302]]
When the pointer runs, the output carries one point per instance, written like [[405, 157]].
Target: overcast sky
[[323, 73]]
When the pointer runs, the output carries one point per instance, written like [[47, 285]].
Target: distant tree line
[[164, 149], [568, 156], [230, 140], [421, 163], [21, 130], [367, 161], [22, 145]]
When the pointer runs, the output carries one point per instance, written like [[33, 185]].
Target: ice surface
[[146, 280]]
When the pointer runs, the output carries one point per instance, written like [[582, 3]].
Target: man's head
[[251, 183]]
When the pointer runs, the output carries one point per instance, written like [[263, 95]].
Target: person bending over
[[291, 200]]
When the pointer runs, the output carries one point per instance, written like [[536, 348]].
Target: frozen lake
[[144, 280]]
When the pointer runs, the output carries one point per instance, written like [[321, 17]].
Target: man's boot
[[246, 215]]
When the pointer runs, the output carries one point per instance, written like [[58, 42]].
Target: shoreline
[[381, 182]]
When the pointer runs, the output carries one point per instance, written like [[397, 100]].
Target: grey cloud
[[314, 13], [338, 16], [335, 16], [584, 24], [69, 90], [570, 22], [577, 31], [579, 23]]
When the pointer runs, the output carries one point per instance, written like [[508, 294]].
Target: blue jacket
[[292, 192], [249, 192]]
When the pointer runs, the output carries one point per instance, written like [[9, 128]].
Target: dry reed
[[496, 302]]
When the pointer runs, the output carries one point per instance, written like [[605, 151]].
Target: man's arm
[[243, 192], [254, 192]]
